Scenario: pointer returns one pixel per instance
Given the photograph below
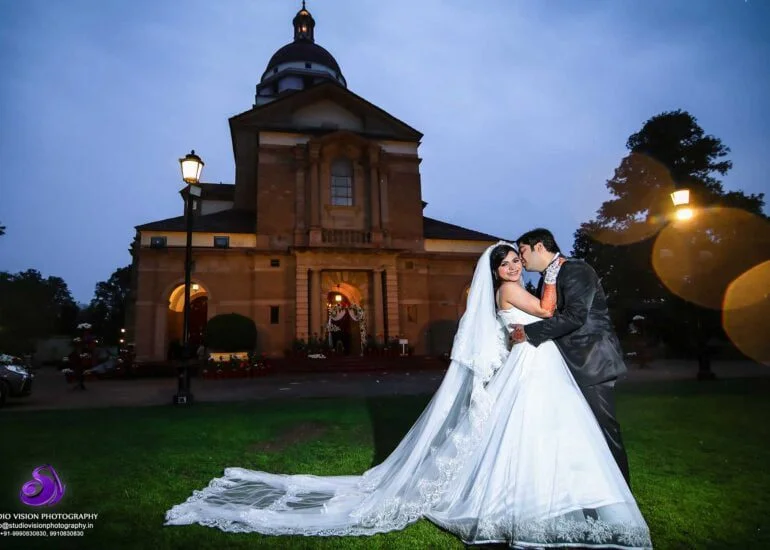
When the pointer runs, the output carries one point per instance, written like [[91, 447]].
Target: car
[[15, 379]]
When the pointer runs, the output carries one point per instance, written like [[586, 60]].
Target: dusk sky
[[526, 105]]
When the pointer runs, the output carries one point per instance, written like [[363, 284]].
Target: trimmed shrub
[[231, 332]]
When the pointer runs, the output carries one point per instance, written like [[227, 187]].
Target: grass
[[699, 453]]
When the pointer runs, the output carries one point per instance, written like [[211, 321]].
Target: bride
[[507, 451]]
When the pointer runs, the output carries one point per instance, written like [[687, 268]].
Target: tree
[[2, 230], [32, 307], [649, 263], [107, 311]]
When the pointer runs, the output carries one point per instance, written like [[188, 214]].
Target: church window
[[342, 182], [157, 242], [274, 310], [308, 65], [275, 262], [222, 242]]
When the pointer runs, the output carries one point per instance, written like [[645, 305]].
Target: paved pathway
[[50, 391]]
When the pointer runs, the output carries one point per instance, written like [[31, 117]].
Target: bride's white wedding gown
[[512, 455]]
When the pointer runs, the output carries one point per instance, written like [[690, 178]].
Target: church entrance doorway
[[199, 301], [344, 324]]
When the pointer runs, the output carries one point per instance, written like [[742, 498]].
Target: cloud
[[525, 106]]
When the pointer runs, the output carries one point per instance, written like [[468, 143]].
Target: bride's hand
[[517, 335]]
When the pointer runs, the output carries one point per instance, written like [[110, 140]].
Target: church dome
[[302, 51], [299, 64]]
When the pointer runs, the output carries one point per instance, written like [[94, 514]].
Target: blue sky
[[526, 105]]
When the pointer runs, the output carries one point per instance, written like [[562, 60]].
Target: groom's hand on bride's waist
[[517, 335]]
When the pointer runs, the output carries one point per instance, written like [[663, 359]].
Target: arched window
[[342, 182]]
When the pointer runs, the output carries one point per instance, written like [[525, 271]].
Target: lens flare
[[632, 233], [645, 186], [684, 214], [698, 260], [746, 311]]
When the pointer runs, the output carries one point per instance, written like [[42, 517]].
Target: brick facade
[[290, 246]]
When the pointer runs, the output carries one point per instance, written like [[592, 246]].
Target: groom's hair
[[539, 235]]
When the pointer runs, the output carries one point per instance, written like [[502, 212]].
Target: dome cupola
[[303, 25], [299, 64]]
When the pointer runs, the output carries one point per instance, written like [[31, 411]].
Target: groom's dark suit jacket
[[581, 326]]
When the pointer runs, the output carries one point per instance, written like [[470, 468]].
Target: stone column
[[385, 214], [379, 317], [374, 178], [391, 287], [302, 313], [315, 300], [299, 201], [315, 195]]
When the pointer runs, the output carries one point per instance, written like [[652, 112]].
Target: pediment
[[327, 113], [345, 143], [322, 108]]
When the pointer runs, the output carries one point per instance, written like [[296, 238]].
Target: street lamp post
[[684, 212], [191, 166]]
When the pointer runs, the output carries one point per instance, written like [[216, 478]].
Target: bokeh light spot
[[746, 313], [699, 258]]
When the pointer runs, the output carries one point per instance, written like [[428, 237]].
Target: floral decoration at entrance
[[356, 312]]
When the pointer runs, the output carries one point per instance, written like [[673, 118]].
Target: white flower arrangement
[[67, 371], [356, 312], [638, 318], [316, 356], [83, 326], [6, 359], [77, 339]]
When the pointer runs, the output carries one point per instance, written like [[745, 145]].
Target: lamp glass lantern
[[681, 197], [681, 200], [192, 166]]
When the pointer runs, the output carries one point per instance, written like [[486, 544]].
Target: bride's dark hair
[[496, 258]]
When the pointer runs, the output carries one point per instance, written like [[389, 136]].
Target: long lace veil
[[477, 344], [401, 489]]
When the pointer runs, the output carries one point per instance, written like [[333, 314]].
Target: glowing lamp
[[192, 166], [681, 197]]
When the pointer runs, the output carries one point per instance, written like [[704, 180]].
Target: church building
[[324, 220]]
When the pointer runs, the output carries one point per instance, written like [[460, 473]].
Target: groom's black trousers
[[601, 399]]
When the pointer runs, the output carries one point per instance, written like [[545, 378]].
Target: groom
[[582, 330]]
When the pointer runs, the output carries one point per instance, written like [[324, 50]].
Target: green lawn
[[700, 462]]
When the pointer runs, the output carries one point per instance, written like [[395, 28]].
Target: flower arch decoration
[[356, 312]]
